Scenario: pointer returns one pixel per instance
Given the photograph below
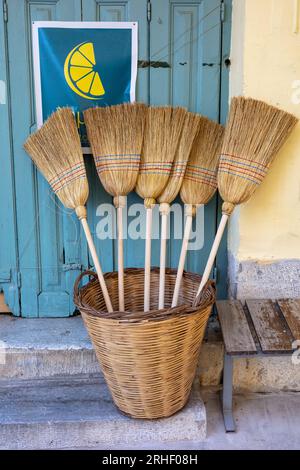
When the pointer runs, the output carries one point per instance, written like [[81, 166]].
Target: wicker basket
[[148, 359]]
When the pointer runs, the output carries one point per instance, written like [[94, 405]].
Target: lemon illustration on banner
[[80, 73]]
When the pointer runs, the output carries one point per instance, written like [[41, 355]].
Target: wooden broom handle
[[120, 203], [96, 263], [147, 259], [120, 259], [164, 209], [213, 252], [184, 247]]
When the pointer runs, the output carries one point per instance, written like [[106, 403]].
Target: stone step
[[44, 347], [78, 412]]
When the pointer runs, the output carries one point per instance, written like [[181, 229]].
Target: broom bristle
[[200, 179], [189, 132], [162, 133], [56, 151], [254, 134], [116, 136]]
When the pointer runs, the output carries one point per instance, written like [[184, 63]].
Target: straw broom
[[56, 151], [162, 133], [116, 136], [199, 183], [254, 134], [170, 192]]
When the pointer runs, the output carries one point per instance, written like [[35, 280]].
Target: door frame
[[9, 278], [31, 298], [221, 262]]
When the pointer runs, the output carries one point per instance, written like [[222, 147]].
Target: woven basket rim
[[206, 298]]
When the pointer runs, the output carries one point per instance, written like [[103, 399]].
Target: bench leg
[[227, 394]]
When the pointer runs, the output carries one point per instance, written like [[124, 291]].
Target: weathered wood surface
[[271, 330], [3, 307], [290, 309], [236, 333]]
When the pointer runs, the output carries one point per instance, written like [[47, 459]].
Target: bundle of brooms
[[254, 134]]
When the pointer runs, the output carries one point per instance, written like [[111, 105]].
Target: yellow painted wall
[[266, 65]]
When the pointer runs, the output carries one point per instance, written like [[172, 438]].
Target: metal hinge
[[5, 276], [222, 12], [142, 64], [149, 11], [72, 267], [5, 12]]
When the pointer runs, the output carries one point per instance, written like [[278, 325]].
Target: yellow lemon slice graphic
[[80, 74]]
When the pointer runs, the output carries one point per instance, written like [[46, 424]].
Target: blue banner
[[83, 65]]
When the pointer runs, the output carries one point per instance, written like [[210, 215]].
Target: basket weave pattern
[[148, 359]]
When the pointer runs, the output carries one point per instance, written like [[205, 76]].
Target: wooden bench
[[258, 328]]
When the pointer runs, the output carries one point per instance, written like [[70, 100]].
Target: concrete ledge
[[210, 365], [78, 412], [264, 280], [266, 375], [258, 375]]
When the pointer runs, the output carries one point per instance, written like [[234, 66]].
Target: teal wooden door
[[49, 255], [42, 248]]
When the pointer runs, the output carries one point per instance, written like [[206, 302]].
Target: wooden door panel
[[42, 222]]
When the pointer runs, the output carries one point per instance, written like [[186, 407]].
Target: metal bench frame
[[257, 347], [227, 391]]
